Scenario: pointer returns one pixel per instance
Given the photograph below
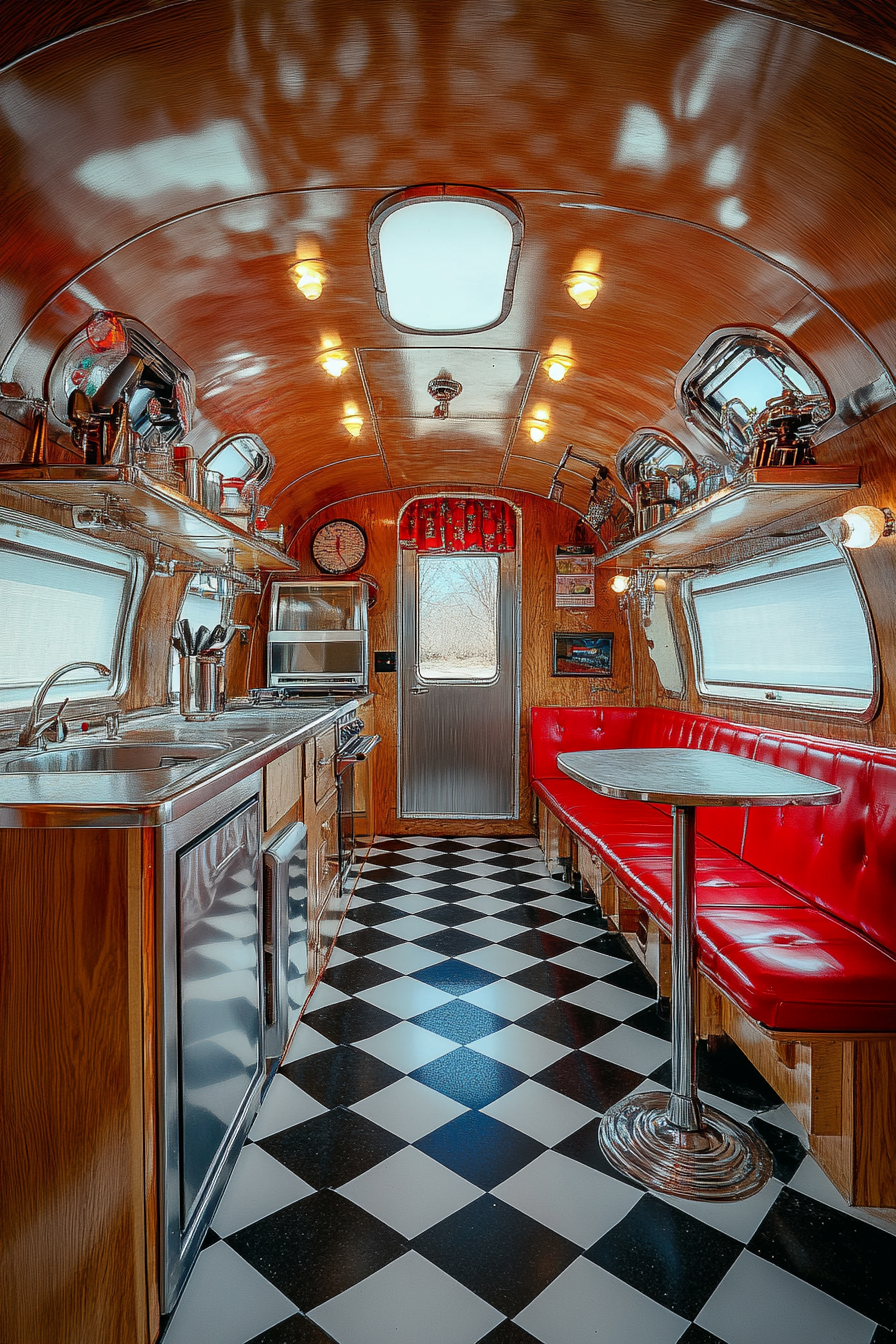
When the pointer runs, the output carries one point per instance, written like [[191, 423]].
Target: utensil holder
[[200, 688]]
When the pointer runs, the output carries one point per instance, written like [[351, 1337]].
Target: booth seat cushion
[[553, 730], [799, 970], [723, 883]]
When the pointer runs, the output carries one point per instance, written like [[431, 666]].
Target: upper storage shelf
[[764, 495], [128, 497]]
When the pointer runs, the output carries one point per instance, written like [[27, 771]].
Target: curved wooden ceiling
[[731, 168]]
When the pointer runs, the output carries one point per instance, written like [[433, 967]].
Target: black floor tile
[[480, 1149], [546, 977], [294, 1330], [332, 1148], [352, 976], [317, 1248], [614, 945], [451, 942], [695, 1334], [527, 916], [372, 915], [727, 1073], [508, 1333], [350, 1020], [883, 1336], [832, 1251], [540, 945], [568, 1023], [447, 861], [786, 1150], [634, 978], [455, 977], [461, 1022], [448, 915], [594, 1082], [674, 1258], [655, 1020], [447, 894], [497, 1252], [340, 1077], [377, 891], [364, 941], [583, 1146], [589, 915], [209, 1240], [468, 1077]]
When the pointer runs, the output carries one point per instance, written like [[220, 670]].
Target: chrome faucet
[[34, 731]]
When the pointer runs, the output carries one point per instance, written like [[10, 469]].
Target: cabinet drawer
[[324, 764], [282, 786]]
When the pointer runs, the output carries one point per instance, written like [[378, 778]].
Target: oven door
[[346, 760]]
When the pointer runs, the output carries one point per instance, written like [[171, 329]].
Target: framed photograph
[[588, 655]]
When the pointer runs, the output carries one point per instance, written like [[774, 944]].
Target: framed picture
[[582, 655]]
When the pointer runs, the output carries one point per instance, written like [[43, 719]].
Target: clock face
[[339, 547]]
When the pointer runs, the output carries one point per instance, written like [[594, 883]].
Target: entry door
[[459, 682]]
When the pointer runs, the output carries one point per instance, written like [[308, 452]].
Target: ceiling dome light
[[308, 278], [538, 425], [352, 421], [557, 367], [864, 525], [619, 583], [444, 258], [537, 433], [334, 363], [659, 584], [583, 287]]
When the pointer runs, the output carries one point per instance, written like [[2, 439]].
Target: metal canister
[[211, 491], [199, 695]]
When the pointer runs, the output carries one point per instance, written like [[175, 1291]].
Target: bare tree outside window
[[458, 617]]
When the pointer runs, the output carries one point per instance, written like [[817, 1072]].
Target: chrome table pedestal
[[670, 1141]]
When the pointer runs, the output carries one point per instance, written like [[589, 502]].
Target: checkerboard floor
[[425, 1166]]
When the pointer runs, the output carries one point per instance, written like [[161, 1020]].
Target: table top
[[688, 778]]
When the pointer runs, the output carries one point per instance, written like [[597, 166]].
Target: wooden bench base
[[841, 1089]]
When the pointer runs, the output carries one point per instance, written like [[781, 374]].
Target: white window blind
[[62, 599], [790, 627]]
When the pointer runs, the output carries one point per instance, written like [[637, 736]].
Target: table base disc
[[724, 1160]]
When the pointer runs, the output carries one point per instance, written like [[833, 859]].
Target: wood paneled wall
[[872, 444], [544, 526]]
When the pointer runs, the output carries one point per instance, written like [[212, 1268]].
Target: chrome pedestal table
[[671, 1142]]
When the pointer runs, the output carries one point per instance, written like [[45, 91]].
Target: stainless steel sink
[[111, 756]]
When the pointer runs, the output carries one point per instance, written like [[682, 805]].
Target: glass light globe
[[334, 365], [619, 583], [864, 526], [583, 287]]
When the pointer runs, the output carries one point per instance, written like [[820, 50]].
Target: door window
[[457, 620]]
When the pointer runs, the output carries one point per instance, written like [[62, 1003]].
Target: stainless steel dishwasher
[[212, 1032], [285, 934]]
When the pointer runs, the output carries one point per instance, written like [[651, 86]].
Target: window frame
[[457, 681], [44, 540], [786, 699]]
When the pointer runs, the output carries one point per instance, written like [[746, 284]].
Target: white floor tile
[[484, 885], [410, 1192], [609, 1000], [258, 1187], [409, 927], [350, 925], [506, 999], [407, 957], [305, 1042], [630, 1048], [487, 905], [520, 1049], [477, 841], [499, 960], [540, 1112], [339, 956], [726, 1107], [784, 1118], [411, 1301], [406, 1046], [226, 1301], [810, 1180], [758, 1301], [572, 930], [588, 961], [414, 884], [572, 1199], [480, 869], [325, 994], [417, 868], [409, 1109], [587, 1305], [284, 1105], [494, 930], [411, 904], [559, 905], [420, 852], [404, 997], [549, 885], [738, 1218]]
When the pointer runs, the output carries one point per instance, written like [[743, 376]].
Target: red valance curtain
[[449, 524]]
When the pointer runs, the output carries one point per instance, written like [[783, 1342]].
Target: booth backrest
[[841, 859]]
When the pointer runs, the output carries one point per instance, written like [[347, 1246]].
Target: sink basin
[[111, 756]]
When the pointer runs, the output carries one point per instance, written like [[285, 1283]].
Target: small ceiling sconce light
[[619, 583], [443, 389], [583, 284], [538, 425], [863, 526], [334, 363], [352, 421], [659, 584], [308, 277], [557, 367]]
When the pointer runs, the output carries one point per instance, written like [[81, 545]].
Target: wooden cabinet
[[284, 789], [324, 764]]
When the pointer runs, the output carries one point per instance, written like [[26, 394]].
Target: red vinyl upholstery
[[796, 906]]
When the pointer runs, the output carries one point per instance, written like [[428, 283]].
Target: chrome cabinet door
[[459, 686]]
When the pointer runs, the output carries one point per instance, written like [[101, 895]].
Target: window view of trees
[[457, 597]]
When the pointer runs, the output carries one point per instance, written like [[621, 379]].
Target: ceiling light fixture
[[308, 277], [444, 258], [619, 583], [863, 526], [557, 367], [583, 287], [538, 425], [443, 389], [334, 363], [352, 421]]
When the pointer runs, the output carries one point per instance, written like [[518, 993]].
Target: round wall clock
[[339, 547]]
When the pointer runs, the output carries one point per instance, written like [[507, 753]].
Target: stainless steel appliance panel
[[286, 934]]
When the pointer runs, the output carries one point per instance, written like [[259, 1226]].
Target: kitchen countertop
[[127, 798]]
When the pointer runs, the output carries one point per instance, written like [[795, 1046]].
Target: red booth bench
[[796, 915]]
